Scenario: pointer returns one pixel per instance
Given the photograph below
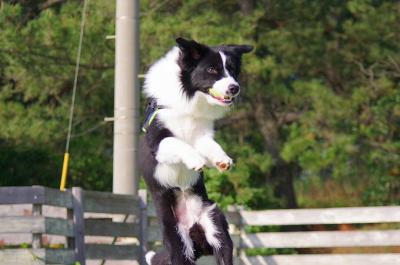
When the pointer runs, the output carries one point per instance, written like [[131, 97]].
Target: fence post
[[70, 240], [237, 229], [37, 211], [36, 238], [79, 225], [143, 226]]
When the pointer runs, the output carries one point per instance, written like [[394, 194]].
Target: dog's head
[[212, 71]]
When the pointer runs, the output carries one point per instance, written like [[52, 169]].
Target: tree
[[320, 94], [312, 66], [37, 58]]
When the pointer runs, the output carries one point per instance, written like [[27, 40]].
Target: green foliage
[[320, 98], [269, 251], [38, 59], [24, 245]]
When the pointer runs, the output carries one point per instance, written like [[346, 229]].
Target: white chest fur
[[174, 173], [186, 127], [171, 171]]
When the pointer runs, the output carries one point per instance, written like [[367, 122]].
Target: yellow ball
[[214, 93]]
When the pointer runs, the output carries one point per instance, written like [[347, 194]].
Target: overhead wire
[[64, 171]]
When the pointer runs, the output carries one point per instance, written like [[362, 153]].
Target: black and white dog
[[189, 88]]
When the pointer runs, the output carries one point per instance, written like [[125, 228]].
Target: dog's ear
[[243, 48], [191, 48], [239, 49]]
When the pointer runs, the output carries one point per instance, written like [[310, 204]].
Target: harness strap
[[151, 112]]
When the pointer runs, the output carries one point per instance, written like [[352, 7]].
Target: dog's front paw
[[224, 163], [195, 162]]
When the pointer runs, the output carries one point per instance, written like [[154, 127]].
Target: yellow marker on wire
[[64, 172]]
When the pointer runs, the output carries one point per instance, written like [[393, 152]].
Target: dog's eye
[[212, 70]]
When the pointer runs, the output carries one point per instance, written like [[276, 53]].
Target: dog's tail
[[149, 256]]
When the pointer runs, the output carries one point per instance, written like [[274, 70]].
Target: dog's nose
[[233, 89]]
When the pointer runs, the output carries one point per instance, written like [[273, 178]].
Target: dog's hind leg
[[223, 250], [173, 241]]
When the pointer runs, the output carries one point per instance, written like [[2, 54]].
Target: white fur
[[162, 80], [210, 149], [178, 163], [173, 150], [188, 209], [208, 225], [149, 256], [188, 249]]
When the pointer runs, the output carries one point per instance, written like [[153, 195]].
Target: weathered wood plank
[[112, 252], [35, 195], [322, 239], [106, 227], [58, 198], [154, 233], [60, 256], [105, 202], [22, 195], [324, 259], [36, 256], [347, 215], [151, 211], [79, 225], [22, 224], [36, 225], [233, 218], [236, 239], [22, 257], [59, 226], [210, 260], [36, 237], [71, 239]]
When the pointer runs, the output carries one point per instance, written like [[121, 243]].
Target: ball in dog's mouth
[[225, 99]]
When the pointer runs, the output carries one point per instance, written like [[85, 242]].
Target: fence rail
[[346, 215], [102, 214], [324, 259]]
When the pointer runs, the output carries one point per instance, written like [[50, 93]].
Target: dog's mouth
[[224, 99]]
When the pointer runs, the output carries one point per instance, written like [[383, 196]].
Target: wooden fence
[[75, 227], [319, 239], [128, 217]]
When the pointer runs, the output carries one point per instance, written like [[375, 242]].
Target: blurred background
[[317, 125]]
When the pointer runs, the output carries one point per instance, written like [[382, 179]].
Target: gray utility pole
[[126, 98]]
